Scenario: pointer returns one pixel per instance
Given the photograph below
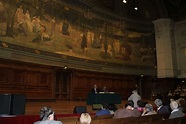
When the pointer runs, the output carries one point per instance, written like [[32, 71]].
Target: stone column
[[165, 48]]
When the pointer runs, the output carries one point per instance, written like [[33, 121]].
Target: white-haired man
[[176, 113]]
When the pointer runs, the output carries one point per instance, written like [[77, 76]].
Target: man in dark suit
[[161, 109], [95, 89]]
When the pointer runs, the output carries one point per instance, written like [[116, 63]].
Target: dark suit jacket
[[93, 90], [163, 110]]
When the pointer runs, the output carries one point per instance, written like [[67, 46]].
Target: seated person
[[104, 89], [128, 111], [148, 110], [104, 110], [112, 108], [141, 105], [47, 116], [161, 109], [85, 118], [182, 104], [95, 89], [176, 113]]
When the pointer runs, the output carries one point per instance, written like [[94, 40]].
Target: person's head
[[181, 102], [140, 103], [129, 104], [113, 107], [95, 86], [134, 91], [174, 105], [148, 107], [104, 88], [158, 102], [85, 118], [46, 113], [105, 106]]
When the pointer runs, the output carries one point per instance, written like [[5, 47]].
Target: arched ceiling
[[147, 9]]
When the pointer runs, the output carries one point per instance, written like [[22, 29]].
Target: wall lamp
[[65, 67]]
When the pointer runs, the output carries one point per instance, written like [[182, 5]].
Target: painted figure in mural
[[96, 42], [90, 38], [2, 12], [19, 21], [84, 43], [19, 14], [65, 28], [28, 21], [37, 24], [53, 26], [42, 36], [125, 50], [21, 28]]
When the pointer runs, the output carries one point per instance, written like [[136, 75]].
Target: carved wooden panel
[[35, 81]]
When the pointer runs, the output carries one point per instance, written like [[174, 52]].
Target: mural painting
[[52, 26]]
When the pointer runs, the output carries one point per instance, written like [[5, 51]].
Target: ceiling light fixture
[[124, 1], [135, 8]]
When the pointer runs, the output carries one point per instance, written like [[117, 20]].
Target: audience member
[[85, 118], [175, 111], [47, 116], [141, 105], [148, 110], [135, 97], [112, 108], [182, 104], [128, 111], [104, 110], [161, 109]]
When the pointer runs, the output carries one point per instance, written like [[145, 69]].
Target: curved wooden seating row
[[151, 119]]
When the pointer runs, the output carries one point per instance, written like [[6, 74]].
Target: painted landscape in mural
[[54, 27]]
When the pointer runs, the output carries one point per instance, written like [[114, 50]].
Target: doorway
[[62, 90]]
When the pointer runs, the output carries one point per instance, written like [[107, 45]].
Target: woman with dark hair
[[47, 116]]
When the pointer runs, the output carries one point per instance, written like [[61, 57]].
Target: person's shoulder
[[57, 122], [49, 122], [37, 122]]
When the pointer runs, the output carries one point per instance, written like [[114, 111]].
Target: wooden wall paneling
[[62, 88], [83, 82], [35, 81], [4, 76]]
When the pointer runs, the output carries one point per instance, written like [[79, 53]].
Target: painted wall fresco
[[52, 26]]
